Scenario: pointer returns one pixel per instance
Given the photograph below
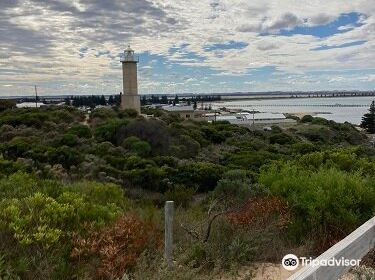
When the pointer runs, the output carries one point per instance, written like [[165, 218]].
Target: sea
[[339, 109]]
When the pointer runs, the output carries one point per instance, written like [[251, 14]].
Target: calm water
[[350, 114]]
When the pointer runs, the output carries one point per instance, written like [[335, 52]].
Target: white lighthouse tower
[[130, 98]]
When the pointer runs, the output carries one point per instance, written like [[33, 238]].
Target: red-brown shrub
[[261, 211], [115, 249]]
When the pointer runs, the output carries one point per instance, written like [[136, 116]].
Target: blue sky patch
[[346, 45], [226, 46], [349, 20], [82, 51]]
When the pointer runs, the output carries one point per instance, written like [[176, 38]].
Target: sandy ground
[[272, 272], [269, 271], [302, 114], [261, 271]]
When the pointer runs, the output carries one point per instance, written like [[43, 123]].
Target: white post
[[168, 238]]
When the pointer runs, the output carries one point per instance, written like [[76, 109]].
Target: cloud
[[320, 19], [266, 45], [250, 27], [286, 21], [60, 42], [346, 27]]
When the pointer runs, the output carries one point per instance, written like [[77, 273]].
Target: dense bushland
[[330, 193], [81, 196]]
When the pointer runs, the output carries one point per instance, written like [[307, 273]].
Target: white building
[[29, 105], [244, 118]]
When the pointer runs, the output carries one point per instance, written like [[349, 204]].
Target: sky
[[73, 46]]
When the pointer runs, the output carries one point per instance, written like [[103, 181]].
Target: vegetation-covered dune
[[81, 196]]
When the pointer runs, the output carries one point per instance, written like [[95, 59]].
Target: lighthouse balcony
[[129, 58]]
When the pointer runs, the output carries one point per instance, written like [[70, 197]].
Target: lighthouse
[[130, 98]]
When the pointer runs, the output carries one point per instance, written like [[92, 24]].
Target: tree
[[102, 101], [176, 100], [368, 120], [164, 99], [111, 100], [195, 105], [67, 101], [143, 100], [7, 104], [117, 99]]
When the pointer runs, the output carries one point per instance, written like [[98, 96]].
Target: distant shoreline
[[226, 96]]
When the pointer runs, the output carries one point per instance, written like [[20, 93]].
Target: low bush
[[136, 145], [326, 202], [115, 249], [82, 131], [45, 212], [261, 212], [180, 194], [202, 174], [282, 139], [307, 118]]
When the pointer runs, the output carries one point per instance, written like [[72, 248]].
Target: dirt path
[[270, 271], [261, 271], [86, 120]]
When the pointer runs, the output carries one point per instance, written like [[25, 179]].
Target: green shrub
[[134, 144], [202, 174], [128, 113], [250, 160], [155, 132], [69, 140], [18, 146], [324, 200], [303, 148], [213, 135], [276, 129], [64, 155], [316, 133], [282, 139], [6, 271], [180, 194], [234, 185], [7, 104], [103, 114], [8, 167], [320, 121], [45, 212], [185, 147], [307, 118], [108, 131], [82, 131]]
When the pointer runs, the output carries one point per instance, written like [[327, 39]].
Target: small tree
[[230, 196], [368, 120], [195, 105], [176, 100]]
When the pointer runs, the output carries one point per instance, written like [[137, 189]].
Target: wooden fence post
[[168, 238]]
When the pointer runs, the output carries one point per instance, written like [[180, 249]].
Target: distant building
[[29, 105], [184, 111], [130, 98], [248, 119]]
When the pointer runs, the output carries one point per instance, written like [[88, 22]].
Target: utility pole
[[36, 97], [253, 118]]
